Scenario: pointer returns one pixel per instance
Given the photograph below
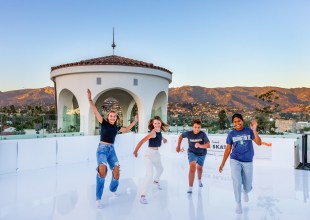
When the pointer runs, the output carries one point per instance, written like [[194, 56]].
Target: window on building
[[135, 82]]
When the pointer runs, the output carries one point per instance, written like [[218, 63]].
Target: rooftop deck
[[55, 179]]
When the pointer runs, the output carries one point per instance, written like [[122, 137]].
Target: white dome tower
[[128, 81]]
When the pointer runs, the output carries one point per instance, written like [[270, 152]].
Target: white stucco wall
[[77, 79], [18, 155]]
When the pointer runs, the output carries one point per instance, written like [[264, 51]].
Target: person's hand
[[221, 168], [135, 153], [197, 145], [253, 125], [136, 118], [178, 149], [164, 140], [89, 94]]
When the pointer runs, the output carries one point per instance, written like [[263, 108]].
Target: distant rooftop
[[112, 60]]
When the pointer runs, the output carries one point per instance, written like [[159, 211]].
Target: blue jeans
[[193, 157], [106, 155], [242, 175]]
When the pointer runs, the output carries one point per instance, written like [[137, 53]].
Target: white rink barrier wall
[[29, 154]]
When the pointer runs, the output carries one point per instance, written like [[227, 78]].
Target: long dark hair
[[163, 127]]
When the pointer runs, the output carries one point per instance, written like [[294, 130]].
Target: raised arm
[[93, 107], [226, 154], [256, 139], [152, 134], [126, 129]]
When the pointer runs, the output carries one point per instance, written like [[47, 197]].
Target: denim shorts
[[193, 157], [106, 155]]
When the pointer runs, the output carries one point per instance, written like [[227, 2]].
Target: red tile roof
[[112, 60]]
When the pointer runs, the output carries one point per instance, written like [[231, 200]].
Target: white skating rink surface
[[68, 192]]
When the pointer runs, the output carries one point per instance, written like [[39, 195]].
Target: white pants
[[151, 158]]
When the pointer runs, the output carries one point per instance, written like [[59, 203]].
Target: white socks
[[200, 183], [190, 189]]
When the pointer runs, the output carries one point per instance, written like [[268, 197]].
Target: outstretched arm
[[93, 107], [126, 129], [152, 134], [164, 140], [226, 154]]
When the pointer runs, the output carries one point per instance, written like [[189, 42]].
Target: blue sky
[[211, 43]]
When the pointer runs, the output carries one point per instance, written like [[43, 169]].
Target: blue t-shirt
[[156, 141], [108, 132], [200, 138], [242, 146]]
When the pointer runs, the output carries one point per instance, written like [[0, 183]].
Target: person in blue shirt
[[240, 148], [198, 143], [106, 153], [152, 156]]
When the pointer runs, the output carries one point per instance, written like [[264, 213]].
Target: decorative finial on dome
[[113, 44]]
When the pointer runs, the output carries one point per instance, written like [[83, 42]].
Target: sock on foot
[[190, 189]]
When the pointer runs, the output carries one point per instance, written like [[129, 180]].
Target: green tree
[[222, 119], [264, 116]]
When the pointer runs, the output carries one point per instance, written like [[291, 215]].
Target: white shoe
[[114, 195], [190, 191], [245, 197], [157, 185], [99, 205], [200, 184], [143, 200], [238, 208]]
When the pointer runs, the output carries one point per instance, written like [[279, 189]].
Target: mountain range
[[293, 99]]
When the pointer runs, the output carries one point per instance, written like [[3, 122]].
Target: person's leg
[[235, 167], [192, 159], [101, 170], [115, 167], [158, 168], [247, 179], [200, 163], [148, 174]]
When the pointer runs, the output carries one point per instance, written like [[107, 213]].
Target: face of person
[[157, 125], [112, 117], [238, 123], [196, 128]]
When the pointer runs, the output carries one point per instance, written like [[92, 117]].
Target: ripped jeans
[[105, 155]]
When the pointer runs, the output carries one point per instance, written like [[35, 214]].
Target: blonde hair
[[117, 117], [163, 127]]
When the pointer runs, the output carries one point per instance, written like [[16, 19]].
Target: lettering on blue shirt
[[200, 138], [242, 145]]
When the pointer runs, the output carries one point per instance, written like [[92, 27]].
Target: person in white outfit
[[152, 156]]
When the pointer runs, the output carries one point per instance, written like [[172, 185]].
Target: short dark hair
[[196, 121], [237, 115]]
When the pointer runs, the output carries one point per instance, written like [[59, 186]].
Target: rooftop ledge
[[18, 155]]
